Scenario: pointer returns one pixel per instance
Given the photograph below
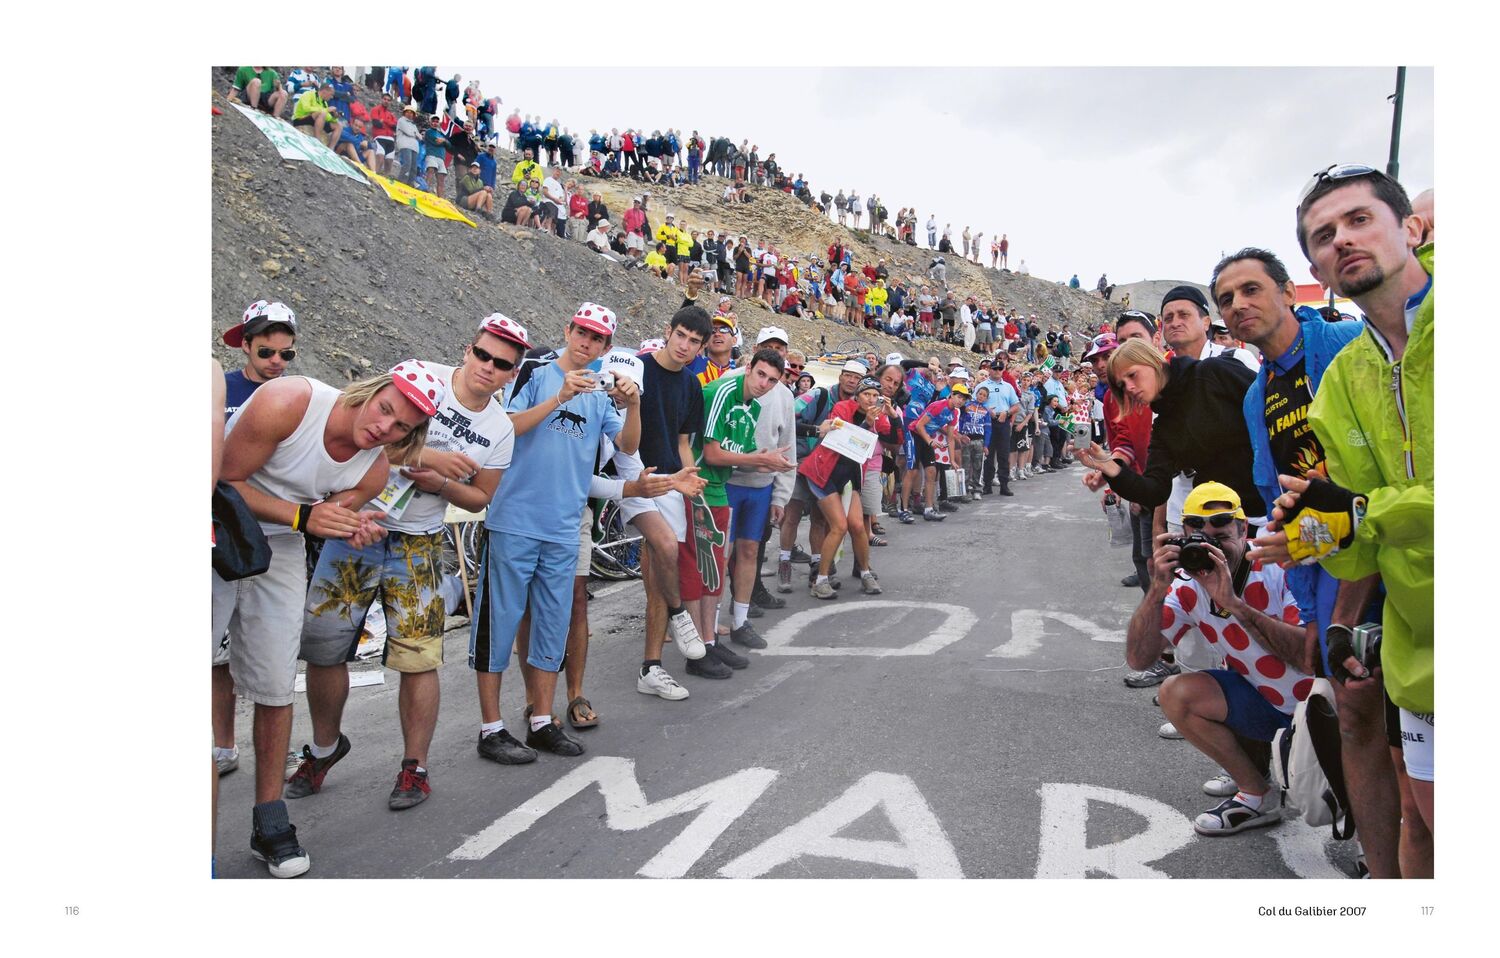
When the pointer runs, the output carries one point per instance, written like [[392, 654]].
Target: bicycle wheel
[[617, 554]]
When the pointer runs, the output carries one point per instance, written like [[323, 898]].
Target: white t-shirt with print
[[486, 437], [1188, 608]]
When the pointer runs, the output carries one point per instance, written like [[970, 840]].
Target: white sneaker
[[656, 681], [1220, 786], [1168, 730], [685, 634]]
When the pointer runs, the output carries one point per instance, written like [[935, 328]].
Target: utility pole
[[1393, 165]]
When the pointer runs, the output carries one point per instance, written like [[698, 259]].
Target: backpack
[[1301, 757], [821, 406]]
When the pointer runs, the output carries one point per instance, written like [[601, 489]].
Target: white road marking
[[956, 623], [753, 692], [1305, 849], [1027, 626], [626, 810], [923, 848], [1064, 852]]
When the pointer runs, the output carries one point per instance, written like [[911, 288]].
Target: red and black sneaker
[[411, 786], [308, 778]]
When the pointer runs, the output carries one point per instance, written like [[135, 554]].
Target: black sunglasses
[[1337, 171], [504, 365], [266, 352], [794, 367], [1218, 521]]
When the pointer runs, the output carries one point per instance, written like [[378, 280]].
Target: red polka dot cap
[[600, 319], [499, 324], [258, 316], [420, 385]]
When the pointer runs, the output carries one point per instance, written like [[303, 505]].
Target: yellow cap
[[961, 389], [1204, 493]]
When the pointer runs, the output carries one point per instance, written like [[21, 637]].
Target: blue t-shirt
[[343, 90], [237, 391], [1054, 388], [543, 493], [486, 169], [1001, 396]]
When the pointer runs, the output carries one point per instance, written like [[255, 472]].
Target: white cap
[[772, 332], [894, 359], [959, 373], [855, 366], [623, 362]]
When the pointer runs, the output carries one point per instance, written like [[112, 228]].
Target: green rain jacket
[[1374, 416]]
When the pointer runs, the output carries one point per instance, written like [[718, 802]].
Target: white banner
[[294, 145]]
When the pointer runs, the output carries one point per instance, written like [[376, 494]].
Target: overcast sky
[[1143, 173]]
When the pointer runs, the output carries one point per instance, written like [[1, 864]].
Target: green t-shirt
[[307, 105], [730, 422], [270, 80]]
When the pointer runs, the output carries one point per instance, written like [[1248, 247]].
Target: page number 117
[[1428, 909]]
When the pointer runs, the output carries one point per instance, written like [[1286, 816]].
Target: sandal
[[577, 710], [879, 541]]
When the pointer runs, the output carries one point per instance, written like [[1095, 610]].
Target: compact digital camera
[[604, 381], [1194, 556], [1366, 642]]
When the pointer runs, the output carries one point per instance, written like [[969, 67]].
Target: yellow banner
[[423, 202]]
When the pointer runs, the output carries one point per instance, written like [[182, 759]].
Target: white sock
[[786, 555], [225, 752], [1249, 801], [421, 770], [540, 721], [323, 751], [817, 558], [822, 578], [741, 613], [487, 728], [865, 574]]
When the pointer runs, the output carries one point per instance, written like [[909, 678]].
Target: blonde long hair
[[404, 450], [1134, 352]]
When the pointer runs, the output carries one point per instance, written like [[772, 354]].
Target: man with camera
[[1202, 582]]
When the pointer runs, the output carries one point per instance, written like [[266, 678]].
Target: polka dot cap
[[600, 319], [258, 315], [499, 324], [417, 383], [651, 345]]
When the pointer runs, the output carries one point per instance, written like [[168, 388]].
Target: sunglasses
[[1338, 171], [504, 365], [1218, 521], [266, 352], [794, 367]]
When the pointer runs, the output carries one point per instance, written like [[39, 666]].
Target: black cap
[[1190, 293]]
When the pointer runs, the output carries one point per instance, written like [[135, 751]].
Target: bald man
[[1421, 207]]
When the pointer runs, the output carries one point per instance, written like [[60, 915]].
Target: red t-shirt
[[578, 207], [1129, 434], [870, 273]]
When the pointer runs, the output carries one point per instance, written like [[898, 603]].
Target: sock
[[540, 721], [421, 770], [646, 665], [488, 728], [323, 751], [741, 613], [269, 818], [225, 752], [822, 578], [786, 555], [674, 610], [1249, 801], [866, 574], [817, 558]]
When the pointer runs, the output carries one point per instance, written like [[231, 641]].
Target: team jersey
[[939, 415], [730, 422], [921, 391], [1188, 607], [486, 436]]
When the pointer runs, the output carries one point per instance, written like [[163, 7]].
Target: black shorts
[[925, 454], [304, 121], [1020, 439], [1392, 723], [838, 295], [265, 99], [671, 254], [771, 282]]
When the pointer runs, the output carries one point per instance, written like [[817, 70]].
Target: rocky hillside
[[373, 282]]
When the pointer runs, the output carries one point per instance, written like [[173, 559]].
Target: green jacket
[[1375, 420]]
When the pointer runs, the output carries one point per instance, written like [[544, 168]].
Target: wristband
[[299, 521], [1339, 641], [442, 487]]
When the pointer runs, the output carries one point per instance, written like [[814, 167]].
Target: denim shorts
[[1249, 713]]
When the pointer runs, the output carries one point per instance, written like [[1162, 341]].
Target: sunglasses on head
[[504, 365], [1338, 171], [1218, 521], [266, 352]]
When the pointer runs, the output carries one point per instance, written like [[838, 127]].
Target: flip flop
[[577, 705]]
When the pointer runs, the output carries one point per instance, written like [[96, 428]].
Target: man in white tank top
[[304, 457]]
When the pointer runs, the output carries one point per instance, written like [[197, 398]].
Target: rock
[[270, 267]]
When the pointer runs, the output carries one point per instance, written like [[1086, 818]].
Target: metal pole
[[1393, 166]]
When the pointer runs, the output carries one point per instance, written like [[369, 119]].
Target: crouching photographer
[[1202, 583]]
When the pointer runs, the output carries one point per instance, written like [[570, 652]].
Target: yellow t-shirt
[[525, 170], [684, 243], [666, 233], [655, 260]]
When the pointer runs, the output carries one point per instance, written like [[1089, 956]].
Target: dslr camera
[[1194, 556]]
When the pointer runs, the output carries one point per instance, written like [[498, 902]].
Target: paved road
[[971, 721]]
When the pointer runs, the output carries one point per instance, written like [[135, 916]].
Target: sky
[[1139, 172]]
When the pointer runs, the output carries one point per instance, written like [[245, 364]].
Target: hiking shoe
[[411, 787], [1155, 675], [932, 515], [1168, 730], [720, 650], [747, 636], [1132, 581], [228, 762], [709, 667], [822, 590], [905, 517], [869, 585], [1220, 786], [799, 556], [656, 681], [1005, 491], [755, 611], [685, 634], [552, 738], [308, 778], [1231, 815], [947, 505], [766, 600], [504, 748], [784, 575], [281, 852]]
